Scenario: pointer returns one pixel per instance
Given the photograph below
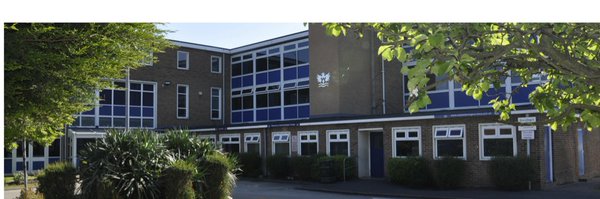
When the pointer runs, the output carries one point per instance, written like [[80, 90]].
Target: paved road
[[11, 194], [269, 190]]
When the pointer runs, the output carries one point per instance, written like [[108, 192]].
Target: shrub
[[58, 181], [302, 167], [186, 146], [411, 172], [316, 167], [250, 164], [29, 194], [126, 164], [18, 177], [448, 172], [350, 167], [176, 181], [219, 178], [277, 166], [511, 173]]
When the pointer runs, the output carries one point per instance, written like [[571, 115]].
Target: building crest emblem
[[323, 79]]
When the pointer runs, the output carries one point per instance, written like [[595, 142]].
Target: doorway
[[370, 153], [376, 154]]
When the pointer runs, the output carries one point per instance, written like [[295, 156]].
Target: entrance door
[[581, 152], [376, 155]]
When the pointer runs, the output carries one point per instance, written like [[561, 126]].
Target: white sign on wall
[[526, 119], [294, 143], [527, 128], [527, 135], [323, 79]]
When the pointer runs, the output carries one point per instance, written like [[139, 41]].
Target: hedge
[[302, 167], [411, 172], [448, 172], [511, 173], [250, 164], [278, 166], [176, 181], [57, 181]]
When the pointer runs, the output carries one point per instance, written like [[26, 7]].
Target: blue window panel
[[522, 96], [90, 112], [492, 94], [303, 72], [262, 115], [302, 83], [275, 114], [236, 117], [119, 110], [19, 166], [7, 166], [289, 85], [261, 78], [274, 76], [105, 110], [135, 111], [461, 99], [37, 165], [248, 116], [236, 82], [290, 112], [247, 81], [304, 111], [289, 74], [148, 112], [439, 100], [51, 160]]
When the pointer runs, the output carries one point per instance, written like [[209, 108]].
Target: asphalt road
[[269, 190]]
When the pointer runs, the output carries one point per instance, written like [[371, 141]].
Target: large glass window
[[215, 103], [183, 60], [230, 143], [54, 149], [281, 143], [252, 142], [449, 141], [497, 141], [338, 142], [309, 143], [406, 141], [215, 64], [182, 101]]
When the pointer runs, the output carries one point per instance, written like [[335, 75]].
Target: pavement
[[589, 189]]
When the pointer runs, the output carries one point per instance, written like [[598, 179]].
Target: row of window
[[34, 150], [183, 102], [183, 62], [448, 141]]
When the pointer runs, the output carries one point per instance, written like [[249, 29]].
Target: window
[[230, 143], [406, 141], [215, 64], [309, 143], [54, 148], [211, 138], [338, 142], [281, 143], [183, 60], [182, 101], [496, 140], [449, 141], [252, 142], [215, 103]]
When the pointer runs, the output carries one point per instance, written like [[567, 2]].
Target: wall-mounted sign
[[527, 128], [526, 119], [323, 79], [527, 135], [294, 143]]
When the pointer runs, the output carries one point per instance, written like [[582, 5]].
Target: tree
[[53, 70], [479, 55]]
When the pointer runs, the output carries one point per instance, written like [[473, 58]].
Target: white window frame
[[220, 105], [211, 138], [220, 64], [449, 128], [187, 102], [273, 141], [338, 139], [406, 137], [229, 136], [187, 60], [252, 141], [308, 140], [496, 127]]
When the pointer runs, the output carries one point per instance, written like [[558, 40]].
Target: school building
[[309, 93]]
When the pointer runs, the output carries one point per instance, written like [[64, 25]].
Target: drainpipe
[[383, 83], [373, 104]]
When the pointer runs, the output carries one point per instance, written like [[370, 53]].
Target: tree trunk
[[25, 166]]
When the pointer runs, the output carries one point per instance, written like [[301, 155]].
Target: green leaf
[[437, 40], [401, 54], [477, 94]]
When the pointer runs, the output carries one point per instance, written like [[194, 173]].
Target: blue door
[[376, 146], [581, 151]]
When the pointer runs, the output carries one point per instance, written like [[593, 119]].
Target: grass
[[10, 184]]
